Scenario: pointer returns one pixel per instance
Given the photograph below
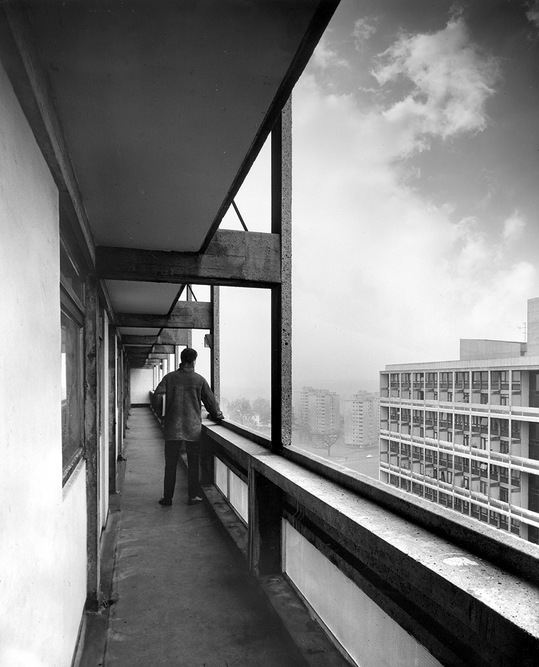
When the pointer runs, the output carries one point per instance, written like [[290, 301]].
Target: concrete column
[[189, 331], [113, 412], [265, 516], [281, 295], [215, 343], [91, 441]]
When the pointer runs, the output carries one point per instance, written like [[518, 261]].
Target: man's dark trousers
[[172, 453]]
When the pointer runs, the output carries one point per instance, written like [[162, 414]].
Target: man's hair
[[188, 355]]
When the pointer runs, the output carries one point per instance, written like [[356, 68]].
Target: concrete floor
[[184, 597]]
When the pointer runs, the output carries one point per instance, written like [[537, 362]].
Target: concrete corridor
[[183, 595]]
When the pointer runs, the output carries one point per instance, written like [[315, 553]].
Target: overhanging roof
[[151, 112], [164, 104]]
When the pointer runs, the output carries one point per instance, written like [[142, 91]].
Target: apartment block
[[362, 420], [319, 410], [465, 434]]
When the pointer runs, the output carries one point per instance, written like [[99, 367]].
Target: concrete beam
[[174, 337], [186, 315], [164, 349], [245, 259], [139, 340], [138, 352]]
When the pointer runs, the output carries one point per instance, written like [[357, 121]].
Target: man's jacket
[[185, 391]]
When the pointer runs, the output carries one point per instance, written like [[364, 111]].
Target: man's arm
[[210, 403]]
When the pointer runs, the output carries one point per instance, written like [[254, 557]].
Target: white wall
[[141, 384], [43, 529]]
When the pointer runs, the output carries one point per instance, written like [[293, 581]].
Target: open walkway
[[183, 595]]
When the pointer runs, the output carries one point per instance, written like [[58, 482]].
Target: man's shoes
[[165, 502], [194, 501]]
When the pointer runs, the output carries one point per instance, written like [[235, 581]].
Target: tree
[[240, 411], [327, 440], [262, 408], [301, 424]]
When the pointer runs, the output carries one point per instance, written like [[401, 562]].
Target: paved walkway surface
[[184, 597]]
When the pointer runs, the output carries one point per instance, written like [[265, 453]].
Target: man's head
[[188, 356]]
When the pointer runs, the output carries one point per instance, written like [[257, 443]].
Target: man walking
[[185, 392]]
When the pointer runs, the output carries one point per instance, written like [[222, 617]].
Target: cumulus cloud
[[451, 83], [380, 272], [533, 13], [324, 55], [363, 31], [513, 227]]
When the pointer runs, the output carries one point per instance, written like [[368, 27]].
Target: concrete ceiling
[[164, 106], [140, 297], [165, 103]]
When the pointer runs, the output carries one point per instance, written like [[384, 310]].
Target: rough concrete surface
[[184, 597]]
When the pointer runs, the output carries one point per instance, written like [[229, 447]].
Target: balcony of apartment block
[[500, 393], [516, 392], [317, 539], [458, 478], [461, 392], [394, 423], [417, 424], [431, 391], [461, 438], [295, 523], [418, 489], [431, 424], [394, 462], [515, 488], [406, 391], [418, 472], [418, 390], [446, 392], [405, 424], [446, 432]]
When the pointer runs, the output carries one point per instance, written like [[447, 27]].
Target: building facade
[[362, 420], [465, 434], [319, 411]]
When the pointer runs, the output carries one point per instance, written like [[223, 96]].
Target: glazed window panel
[[72, 388]]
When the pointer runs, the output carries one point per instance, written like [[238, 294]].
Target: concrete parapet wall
[[463, 591]]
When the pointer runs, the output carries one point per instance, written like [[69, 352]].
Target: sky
[[415, 192]]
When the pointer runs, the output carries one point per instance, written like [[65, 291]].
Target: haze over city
[[407, 122]]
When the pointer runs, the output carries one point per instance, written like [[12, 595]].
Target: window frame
[[72, 308]]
